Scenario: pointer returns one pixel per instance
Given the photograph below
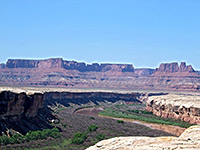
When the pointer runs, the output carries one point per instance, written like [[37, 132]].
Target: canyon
[[29, 108], [56, 72], [31, 89], [23, 109], [27, 101]]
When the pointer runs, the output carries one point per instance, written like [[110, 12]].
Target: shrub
[[31, 135], [100, 136], [91, 118], [45, 133], [17, 138], [54, 133], [92, 128], [4, 140], [79, 138], [120, 121], [64, 125], [141, 112]]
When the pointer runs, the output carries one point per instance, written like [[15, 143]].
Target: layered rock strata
[[56, 72], [67, 98], [69, 65], [17, 104], [144, 71], [174, 67], [184, 107], [23, 111], [189, 140], [27, 102]]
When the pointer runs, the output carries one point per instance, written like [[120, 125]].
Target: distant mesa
[[56, 72], [174, 67], [83, 67], [69, 65]]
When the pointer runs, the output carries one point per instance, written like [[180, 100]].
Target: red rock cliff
[[174, 67], [13, 104], [60, 73], [184, 107], [68, 65], [48, 63], [66, 98]]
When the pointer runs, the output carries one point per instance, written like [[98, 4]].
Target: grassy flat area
[[143, 116]]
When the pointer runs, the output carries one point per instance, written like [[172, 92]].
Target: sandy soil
[[90, 111]]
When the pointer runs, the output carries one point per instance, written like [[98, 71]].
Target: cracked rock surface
[[189, 140]]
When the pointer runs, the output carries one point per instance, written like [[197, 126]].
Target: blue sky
[[141, 32]]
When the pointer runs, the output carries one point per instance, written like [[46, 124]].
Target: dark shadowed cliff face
[[23, 112], [2, 66], [57, 72], [13, 104], [65, 98]]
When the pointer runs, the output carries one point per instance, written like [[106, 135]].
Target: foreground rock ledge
[[189, 140]]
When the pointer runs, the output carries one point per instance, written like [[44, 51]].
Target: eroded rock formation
[[22, 111], [69, 65], [14, 104], [189, 140], [56, 72], [174, 67], [184, 107], [48, 63], [80, 98]]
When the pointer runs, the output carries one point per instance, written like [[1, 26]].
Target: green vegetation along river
[[128, 117]]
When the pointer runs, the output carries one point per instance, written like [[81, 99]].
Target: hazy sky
[[141, 32]]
